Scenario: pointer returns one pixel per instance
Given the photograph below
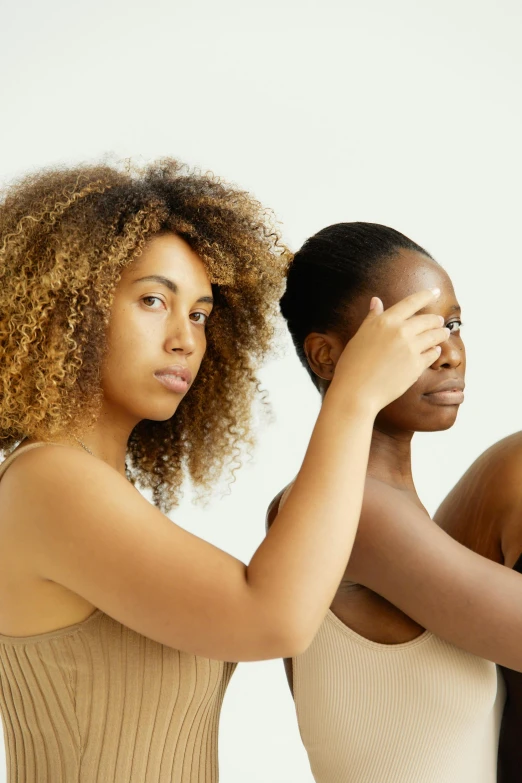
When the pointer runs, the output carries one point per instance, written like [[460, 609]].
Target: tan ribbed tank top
[[99, 703], [420, 712]]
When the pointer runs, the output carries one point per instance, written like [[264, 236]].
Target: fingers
[[376, 306], [430, 356], [423, 323], [433, 338], [412, 304]]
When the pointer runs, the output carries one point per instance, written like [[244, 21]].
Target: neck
[[390, 457], [107, 439]]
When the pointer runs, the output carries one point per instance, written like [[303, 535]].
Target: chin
[[157, 412], [161, 414], [443, 421]]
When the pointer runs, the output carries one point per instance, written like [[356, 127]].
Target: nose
[[180, 338], [450, 357]]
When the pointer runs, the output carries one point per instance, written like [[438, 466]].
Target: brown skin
[[163, 300], [389, 478], [92, 541], [158, 328], [483, 512], [66, 235]]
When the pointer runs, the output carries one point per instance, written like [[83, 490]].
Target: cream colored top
[[99, 703], [420, 712]]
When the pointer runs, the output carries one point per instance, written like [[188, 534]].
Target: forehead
[[168, 255], [410, 271], [405, 273]]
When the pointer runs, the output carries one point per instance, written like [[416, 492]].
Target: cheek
[[463, 356], [128, 344], [414, 393], [409, 409], [199, 350]]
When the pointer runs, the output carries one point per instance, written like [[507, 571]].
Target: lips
[[176, 378], [451, 392]]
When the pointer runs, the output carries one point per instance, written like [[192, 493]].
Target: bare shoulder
[[506, 458], [507, 462], [89, 531], [486, 501], [39, 497], [498, 469], [53, 492], [383, 500], [390, 521], [48, 484]]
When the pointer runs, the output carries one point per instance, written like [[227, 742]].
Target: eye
[[454, 326], [199, 318], [149, 302]]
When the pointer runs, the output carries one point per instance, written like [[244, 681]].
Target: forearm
[[298, 567], [460, 596]]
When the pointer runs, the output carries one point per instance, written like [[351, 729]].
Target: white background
[[405, 113]]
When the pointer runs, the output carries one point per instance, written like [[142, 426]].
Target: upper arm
[[276, 505], [464, 598], [93, 533], [271, 514]]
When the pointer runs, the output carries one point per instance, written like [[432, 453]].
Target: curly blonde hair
[[65, 237]]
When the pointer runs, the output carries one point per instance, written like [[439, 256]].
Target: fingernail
[[438, 348], [373, 303], [441, 320], [436, 292]]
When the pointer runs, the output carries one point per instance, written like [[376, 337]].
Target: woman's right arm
[[91, 532], [457, 594]]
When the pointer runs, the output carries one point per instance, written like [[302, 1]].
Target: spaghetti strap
[[11, 458]]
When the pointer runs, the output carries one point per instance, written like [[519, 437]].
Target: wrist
[[354, 402]]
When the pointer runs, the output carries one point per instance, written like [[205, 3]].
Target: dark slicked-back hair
[[330, 270]]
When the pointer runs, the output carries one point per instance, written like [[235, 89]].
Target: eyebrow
[[171, 285], [455, 308]]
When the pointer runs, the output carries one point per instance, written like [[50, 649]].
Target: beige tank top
[[420, 712], [98, 703]]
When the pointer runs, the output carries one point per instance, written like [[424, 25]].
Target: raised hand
[[390, 350]]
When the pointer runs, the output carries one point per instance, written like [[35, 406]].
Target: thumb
[[376, 308]]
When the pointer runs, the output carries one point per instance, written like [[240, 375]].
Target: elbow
[[276, 629], [267, 642], [292, 639], [296, 646]]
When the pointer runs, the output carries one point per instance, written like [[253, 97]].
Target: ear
[[323, 352]]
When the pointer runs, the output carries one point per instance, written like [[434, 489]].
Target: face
[[433, 402], [156, 336]]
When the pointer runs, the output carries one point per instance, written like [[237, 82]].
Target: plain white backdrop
[[405, 113]]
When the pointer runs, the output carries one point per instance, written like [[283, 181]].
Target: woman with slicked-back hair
[[135, 307], [398, 685]]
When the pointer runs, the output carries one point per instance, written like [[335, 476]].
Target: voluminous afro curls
[[65, 237]]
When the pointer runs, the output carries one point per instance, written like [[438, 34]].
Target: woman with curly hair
[[122, 291]]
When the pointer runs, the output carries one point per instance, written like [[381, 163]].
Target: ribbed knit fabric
[[99, 703], [420, 712]]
